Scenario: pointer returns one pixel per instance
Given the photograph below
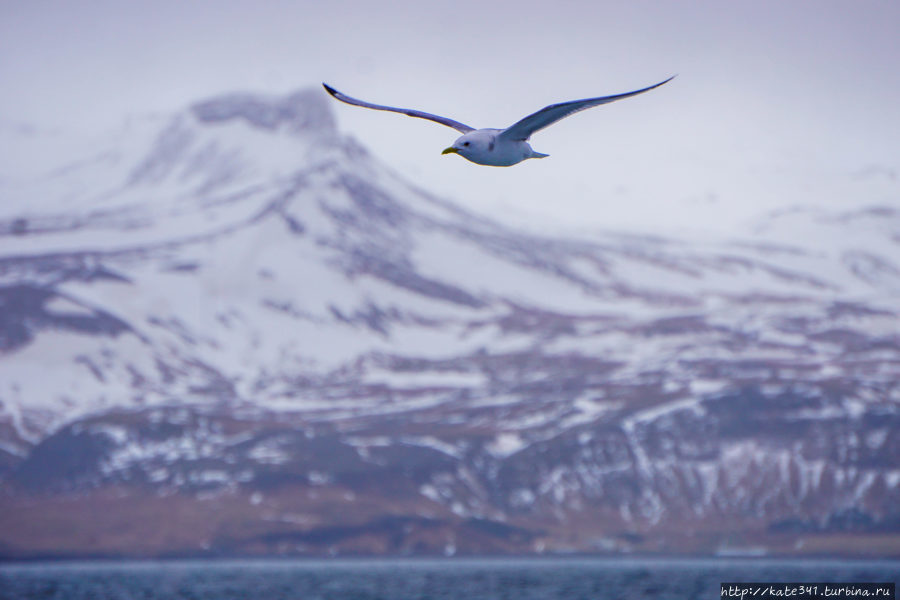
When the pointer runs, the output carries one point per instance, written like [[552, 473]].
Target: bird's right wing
[[405, 111], [522, 130]]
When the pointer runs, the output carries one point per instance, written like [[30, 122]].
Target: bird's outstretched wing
[[522, 129], [405, 111]]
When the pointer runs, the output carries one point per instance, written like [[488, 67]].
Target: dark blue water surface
[[457, 579]]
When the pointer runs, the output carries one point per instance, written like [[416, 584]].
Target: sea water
[[413, 579]]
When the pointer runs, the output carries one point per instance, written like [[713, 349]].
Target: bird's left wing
[[405, 111], [522, 130]]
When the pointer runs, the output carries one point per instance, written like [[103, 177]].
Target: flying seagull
[[499, 147]]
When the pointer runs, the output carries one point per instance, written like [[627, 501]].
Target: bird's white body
[[498, 147], [487, 147]]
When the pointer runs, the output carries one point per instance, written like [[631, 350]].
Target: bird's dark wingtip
[[668, 80], [330, 89]]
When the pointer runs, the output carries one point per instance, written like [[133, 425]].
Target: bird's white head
[[472, 145]]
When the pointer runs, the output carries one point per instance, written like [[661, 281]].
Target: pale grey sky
[[776, 103]]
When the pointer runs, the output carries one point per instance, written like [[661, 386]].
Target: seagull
[[499, 147]]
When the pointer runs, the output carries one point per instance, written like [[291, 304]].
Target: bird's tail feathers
[[538, 155]]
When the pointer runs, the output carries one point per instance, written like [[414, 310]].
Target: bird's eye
[[465, 143]]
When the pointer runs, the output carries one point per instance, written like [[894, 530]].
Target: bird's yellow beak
[[450, 150]]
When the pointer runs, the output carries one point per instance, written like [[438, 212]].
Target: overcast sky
[[776, 103]]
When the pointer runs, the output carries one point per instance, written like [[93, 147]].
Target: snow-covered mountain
[[233, 330]]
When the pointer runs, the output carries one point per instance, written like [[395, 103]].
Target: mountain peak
[[301, 112]]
